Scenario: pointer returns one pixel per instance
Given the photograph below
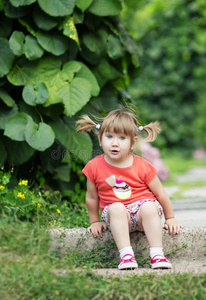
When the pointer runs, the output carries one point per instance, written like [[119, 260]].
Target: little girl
[[126, 188]]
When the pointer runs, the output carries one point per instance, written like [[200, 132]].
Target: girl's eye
[[109, 136], [122, 138]]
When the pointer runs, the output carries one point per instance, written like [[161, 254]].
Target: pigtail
[[152, 129], [85, 124]]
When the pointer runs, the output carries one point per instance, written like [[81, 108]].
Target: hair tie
[[98, 126], [141, 128]]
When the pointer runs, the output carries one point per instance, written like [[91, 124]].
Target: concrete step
[[189, 245]]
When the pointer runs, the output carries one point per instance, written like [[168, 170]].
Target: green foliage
[[22, 203], [57, 59], [171, 87]]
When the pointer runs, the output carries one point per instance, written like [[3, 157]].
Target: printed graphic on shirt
[[120, 188]]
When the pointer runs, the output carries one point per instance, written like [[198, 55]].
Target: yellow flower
[[39, 205], [1, 187], [59, 211], [23, 182], [20, 195]]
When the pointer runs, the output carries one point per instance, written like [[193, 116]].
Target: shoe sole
[[128, 266], [161, 266]]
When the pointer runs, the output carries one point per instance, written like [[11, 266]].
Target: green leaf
[[57, 7], [39, 136], [6, 98], [16, 42], [82, 71], [83, 4], [81, 146], [15, 12], [5, 25], [34, 95], [6, 113], [18, 3], [32, 49], [78, 144], [75, 95], [69, 29], [25, 72], [62, 133], [15, 126], [18, 152], [44, 21], [114, 47], [105, 7], [53, 42], [6, 57]]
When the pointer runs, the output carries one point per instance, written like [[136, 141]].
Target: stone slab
[[188, 245]]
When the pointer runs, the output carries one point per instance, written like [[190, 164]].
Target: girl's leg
[[149, 218], [119, 224]]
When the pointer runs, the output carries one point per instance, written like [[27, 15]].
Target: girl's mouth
[[114, 151]]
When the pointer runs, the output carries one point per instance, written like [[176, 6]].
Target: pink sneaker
[[160, 262], [128, 261]]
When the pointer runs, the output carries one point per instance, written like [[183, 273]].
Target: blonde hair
[[119, 121]]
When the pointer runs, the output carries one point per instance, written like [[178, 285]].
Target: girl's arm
[[170, 223], [92, 202]]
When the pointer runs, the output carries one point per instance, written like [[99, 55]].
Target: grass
[[28, 271]]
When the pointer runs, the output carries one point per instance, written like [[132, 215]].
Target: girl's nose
[[115, 141]]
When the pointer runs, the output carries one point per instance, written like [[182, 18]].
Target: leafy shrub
[[171, 87], [58, 59]]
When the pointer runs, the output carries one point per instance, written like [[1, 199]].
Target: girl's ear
[[134, 144]]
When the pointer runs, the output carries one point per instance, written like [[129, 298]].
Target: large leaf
[[75, 95], [18, 152], [105, 7], [16, 42], [44, 21], [82, 71], [81, 146], [18, 3], [15, 12], [34, 95], [15, 126], [32, 49], [6, 113], [57, 7], [83, 4], [6, 98], [25, 72], [114, 47], [39, 136], [77, 144], [53, 42], [6, 57], [5, 25]]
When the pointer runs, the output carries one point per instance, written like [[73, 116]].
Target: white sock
[[156, 251], [126, 250]]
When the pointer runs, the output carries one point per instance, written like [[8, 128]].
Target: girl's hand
[[173, 226], [96, 229]]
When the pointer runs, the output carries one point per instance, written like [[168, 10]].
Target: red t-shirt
[[125, 185]]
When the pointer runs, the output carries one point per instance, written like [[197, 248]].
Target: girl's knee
[[148, 209], [117, 209]]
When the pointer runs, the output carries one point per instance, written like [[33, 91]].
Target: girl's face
[[116, 146]]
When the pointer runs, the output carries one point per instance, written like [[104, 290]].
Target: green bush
[[58, 59], [171, 86]]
